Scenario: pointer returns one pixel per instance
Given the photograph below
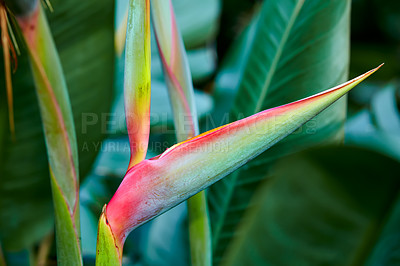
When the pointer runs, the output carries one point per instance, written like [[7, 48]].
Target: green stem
[[199, 230]]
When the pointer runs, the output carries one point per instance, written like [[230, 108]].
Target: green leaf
[[59, 132], [67, 233], [25, 201], [298, 48], [230, 74], [327, 208]]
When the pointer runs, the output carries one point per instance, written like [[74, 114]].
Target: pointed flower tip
[[367, 74], [362, 77], [375, 69]]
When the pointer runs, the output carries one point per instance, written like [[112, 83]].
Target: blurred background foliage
[[332, 205]]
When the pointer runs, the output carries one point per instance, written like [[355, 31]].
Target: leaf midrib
[[278, 54]]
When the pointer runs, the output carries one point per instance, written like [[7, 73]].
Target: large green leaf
[[327, 208], [85, 45], [298, 47]]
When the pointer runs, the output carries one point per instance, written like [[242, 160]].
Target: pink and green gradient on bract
[[158, 184]]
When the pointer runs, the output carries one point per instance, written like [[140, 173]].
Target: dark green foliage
[[83, 32], [325, 206], [21, 7]]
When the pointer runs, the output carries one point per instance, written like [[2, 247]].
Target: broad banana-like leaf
[[137, 79], [158, 184], [178, 78], [59, 132]]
